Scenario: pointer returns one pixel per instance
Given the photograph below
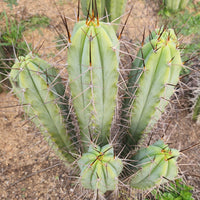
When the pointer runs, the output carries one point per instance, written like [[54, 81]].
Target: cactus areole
[[93, 75]]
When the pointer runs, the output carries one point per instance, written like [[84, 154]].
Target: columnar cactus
[[85, 4], [93, 65], [175, 5], [93, 60], [38, 86], [156, 72], [114, 9]]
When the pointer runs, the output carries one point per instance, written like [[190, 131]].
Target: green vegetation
[[36, 22], [175, 5], [176, 190], [12, 32], [10, 3], [12, 43], [187, 24]]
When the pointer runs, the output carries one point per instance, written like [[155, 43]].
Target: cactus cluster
[[93, 75]]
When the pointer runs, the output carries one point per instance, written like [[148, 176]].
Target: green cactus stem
[[38, 86], [157, 164], [93, 60], [115, 10], [156, 72], [175, 5], [107, 9], [100, 168], [100, 7]]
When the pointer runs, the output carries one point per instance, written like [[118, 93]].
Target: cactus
[[113, 8], [93, 75], [93, 65], [28, 77], [157, 67], [157, 163], [175, 5], [100, 168], [100, 7]]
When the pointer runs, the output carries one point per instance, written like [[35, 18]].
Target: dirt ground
[[28, 167]]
